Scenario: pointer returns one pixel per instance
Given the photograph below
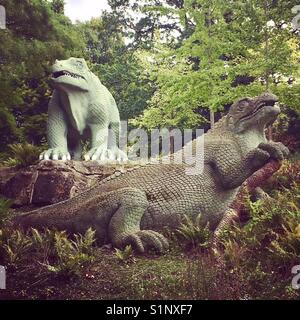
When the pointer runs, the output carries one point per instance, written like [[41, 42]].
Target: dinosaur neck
[[247, 140], [250, 140], [220, 126]]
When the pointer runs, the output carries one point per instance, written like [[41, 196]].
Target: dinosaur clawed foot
[[276, 150], [145, 240], [106, 155], [55, 154], [116, 154]]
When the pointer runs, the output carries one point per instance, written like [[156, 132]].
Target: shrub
[[286, 246], [268, 246], [192, 233], [44, 243], [285, 177], [16, 246], [51, 249], [22, 155], [124, 255], [5, 205], [71, 255]]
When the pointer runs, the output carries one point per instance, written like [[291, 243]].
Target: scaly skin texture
[[132, 207], [81, 108]]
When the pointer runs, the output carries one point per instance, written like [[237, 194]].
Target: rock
[[19, 187], [50, 182], [5, 174]]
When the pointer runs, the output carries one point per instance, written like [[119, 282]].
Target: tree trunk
[[212, 119]]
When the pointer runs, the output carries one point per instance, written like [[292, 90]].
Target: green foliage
[[120, 69], [44, 243], [269, 218], [5, 205], [233, 50], [34, 38], [286, 248], [58, 6], [72, 255], [124, 255], [140, 19], [51, 249], [268, 246], [192, 232], [286, 176], [22, 155], [17, 246]]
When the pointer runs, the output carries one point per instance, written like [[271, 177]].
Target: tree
[[139, 20], [193, 76], [237, 48], [58, 6], [119, 68]]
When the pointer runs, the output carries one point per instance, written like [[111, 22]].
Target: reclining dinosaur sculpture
[[131, 207]]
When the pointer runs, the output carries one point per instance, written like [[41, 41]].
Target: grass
[[104, 278], [145, 277], [175, 275]]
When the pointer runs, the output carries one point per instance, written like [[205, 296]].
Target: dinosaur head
[[70, 74], [249, 113]]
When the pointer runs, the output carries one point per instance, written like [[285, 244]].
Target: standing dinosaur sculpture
[[131, 207], [81, 108]]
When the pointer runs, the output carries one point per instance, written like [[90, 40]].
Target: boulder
[[50, 182]]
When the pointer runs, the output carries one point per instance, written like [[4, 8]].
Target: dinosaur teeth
[[66, 73]]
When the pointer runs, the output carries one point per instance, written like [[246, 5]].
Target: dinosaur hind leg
[[124, 226]]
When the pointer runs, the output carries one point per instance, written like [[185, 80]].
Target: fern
[[193, 233], [124, 255], [22, 155], [5, 205], [17, 246], [72, 255]]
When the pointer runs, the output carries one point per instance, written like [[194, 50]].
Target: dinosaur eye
[[79, 64], [242, 106]]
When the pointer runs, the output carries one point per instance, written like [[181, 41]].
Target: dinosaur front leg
[[233, 169], [57, 132], [124, 227], [99, 135]]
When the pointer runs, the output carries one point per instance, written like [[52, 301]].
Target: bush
[[285, 177], [268, 246], [16, 245], [22, 155], [5, 204], [124, 255], [192, 233], [51, 249], [71, 255]]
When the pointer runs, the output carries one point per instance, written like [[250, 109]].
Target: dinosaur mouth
[[264, 104], [59, 74], [267, 103]]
